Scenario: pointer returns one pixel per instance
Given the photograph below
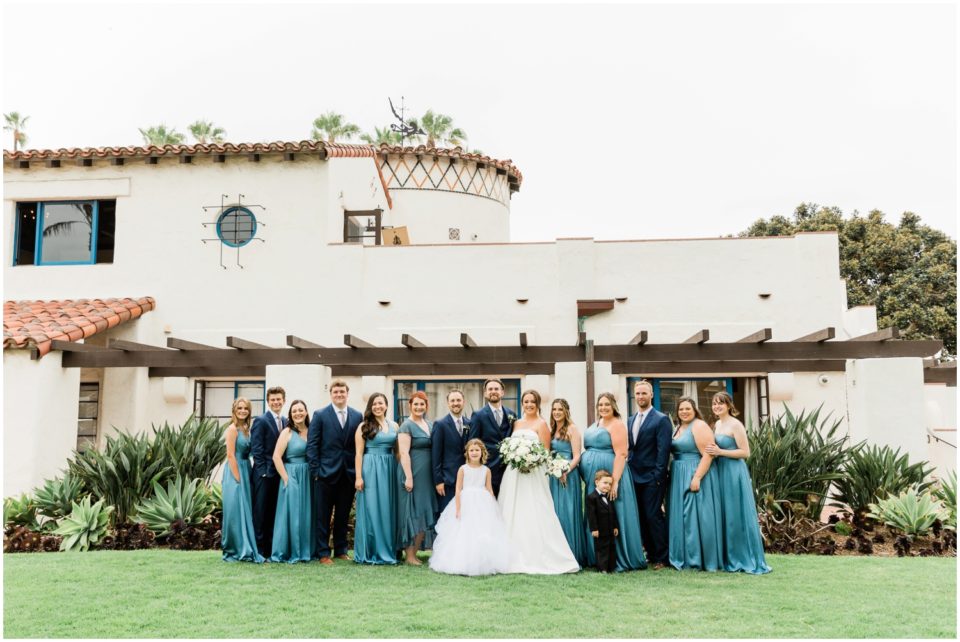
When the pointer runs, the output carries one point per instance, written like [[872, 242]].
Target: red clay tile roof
[[456, 152], [37, 323]]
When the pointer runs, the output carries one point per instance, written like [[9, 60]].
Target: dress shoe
[[326, 560], [658, 566], [343, 556]]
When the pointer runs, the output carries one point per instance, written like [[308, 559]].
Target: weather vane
[[404, 128]]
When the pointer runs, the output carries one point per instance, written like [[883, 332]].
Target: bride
[[537, 543]]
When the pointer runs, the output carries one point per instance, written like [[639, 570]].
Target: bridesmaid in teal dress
[[293, 527], [693, 501], [236, 531], [742, 542], [605, 447], [376, 534], [418, 499], [568, 491]]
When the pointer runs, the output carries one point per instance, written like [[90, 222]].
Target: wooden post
[[591, 385]]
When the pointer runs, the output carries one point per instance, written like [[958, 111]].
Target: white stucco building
[[275, 247]]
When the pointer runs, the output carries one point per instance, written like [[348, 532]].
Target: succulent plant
[[85, 526]]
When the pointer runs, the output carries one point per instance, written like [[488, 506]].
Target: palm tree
[[159, 135], [380, 136], [204, 131], [439, 129], [16, 125], [331, 126]]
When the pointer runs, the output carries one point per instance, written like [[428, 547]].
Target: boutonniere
[[511, 419]]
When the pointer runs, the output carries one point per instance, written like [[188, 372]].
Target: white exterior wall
[[940, 404], [429, 216]]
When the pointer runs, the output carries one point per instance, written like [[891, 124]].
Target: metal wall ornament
[[405, 128], [236, 225]]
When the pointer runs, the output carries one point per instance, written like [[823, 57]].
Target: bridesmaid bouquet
[[558, 466], [523, 454]]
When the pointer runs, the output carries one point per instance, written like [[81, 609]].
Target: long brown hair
[[696, 411], [306, 420], [242, 426], [370, 427], [536, 398], [560, 431], [725, 398], [613, 403]]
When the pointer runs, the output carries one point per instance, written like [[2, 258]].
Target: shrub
[[56, 498], [909, 512], [192, 450], [84, 526], [946, 494], [129, 537], [789, 528], [122, 475], [843, 528], [199, 537], [20, 511], [20, 539], [215, 497], [794, 458], [181, 503], [874, 473]]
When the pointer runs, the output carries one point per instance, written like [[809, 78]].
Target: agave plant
[[85, 526], [56, 498], [215, 497], [874, 473], [946, 494], [910, 512], [123, 474], [20, 511], [795, 458], [192, 450], [181, 503]]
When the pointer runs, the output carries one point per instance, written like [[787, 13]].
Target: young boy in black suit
[[602, 518]]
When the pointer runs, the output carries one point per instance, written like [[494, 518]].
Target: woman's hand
[[563, 480], [695, 485], [458, 513], [286, 480], [613, 491], [359, 484], [712, 450], [408, 484]]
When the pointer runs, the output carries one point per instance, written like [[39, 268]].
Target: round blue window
[[236, 226]]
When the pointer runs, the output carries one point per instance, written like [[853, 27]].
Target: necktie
[[343, 417], [498, 415], [460, 426], [279, 423], [636, 427]]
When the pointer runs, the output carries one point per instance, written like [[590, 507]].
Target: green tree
[[16, 124], [439, 129], [381, 136], [159, 135], [908, 271], [203, 131], [331, 126]]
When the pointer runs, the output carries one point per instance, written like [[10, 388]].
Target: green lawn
[[175, 594]]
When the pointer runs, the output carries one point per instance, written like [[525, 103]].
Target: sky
[[628, 121]]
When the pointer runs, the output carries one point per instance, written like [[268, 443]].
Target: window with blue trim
[[667, 391], [65, 232], [236, 226], [214, 399], [436, 391]]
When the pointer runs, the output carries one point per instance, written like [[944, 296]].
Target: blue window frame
[[214, 399], [64, 232], [666, 390], [236, 226], [436, 391]]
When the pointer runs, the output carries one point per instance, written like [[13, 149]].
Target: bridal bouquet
[[523, 454], [558, 465]]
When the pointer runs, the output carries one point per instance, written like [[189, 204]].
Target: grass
[[167, 594]]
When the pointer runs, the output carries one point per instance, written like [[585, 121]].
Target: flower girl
[[471, 536]]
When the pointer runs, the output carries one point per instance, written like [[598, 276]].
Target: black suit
[[266, 480], [602, 517], [647, 458], [483, 426], [448, 457], [331, 453]]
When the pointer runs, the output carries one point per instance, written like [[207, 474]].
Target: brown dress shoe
[[659, 566], [326, 560], [344, 556]]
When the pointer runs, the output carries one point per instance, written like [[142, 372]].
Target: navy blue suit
[[448, 457], [331, 453], [647, 458], [483, 426], [266, 480]]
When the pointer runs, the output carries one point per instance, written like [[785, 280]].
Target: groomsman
[[491, 424], [649, 433], [266, 482], [449, 440], [331, 453]]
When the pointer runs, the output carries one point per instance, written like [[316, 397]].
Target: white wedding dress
[[537, 543]]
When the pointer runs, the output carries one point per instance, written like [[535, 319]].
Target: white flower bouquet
[[523, 454], [558, 465]]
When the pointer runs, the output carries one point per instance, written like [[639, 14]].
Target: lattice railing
[[424, 172]]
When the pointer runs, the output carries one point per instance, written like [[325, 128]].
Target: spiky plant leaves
[[193, 450], [180, 503], [874, 473], [946, 494], [85, 526], [55, 499], [909, 512], [20, 511]]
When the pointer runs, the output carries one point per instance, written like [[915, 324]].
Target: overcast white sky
[[627, 121]]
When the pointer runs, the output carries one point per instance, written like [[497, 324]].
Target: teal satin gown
[[568, 504], [236, 530], [695, 531], [375, 537], [418, 508], [742, 543], [293, 527], [597, 454]]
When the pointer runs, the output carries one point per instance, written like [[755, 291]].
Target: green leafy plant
[[874, 473], [910, 512], [85, 526], [122, 474], [20, 511], [946, 493], [843, 528], [180, 503], [55, 499], [192, 450], [215, 497], [794, 458]]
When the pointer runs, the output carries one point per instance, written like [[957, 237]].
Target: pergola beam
[[818, 337], [523, 339], [639, 339], [760, 336], [467, 341], [652, 368], [886, 334], [189, 346], [410, 342], [242, 344], [132, 346], [302, 344], [699, 338], [72, 346], [355, 342]]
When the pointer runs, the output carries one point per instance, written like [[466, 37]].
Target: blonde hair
[[484, 455], [242, 426]]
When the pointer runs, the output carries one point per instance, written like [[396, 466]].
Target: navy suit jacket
[[263, 440], [447, 444], [331, 450], [648, 456], [483, 426]]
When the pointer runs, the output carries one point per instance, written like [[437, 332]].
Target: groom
[[449, 437], [491, 424]]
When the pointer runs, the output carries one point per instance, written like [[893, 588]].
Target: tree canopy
[[331, 126], [908, 271], [204, 131], [439, 129], [16, 123], [380, 136], [160, 135]]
